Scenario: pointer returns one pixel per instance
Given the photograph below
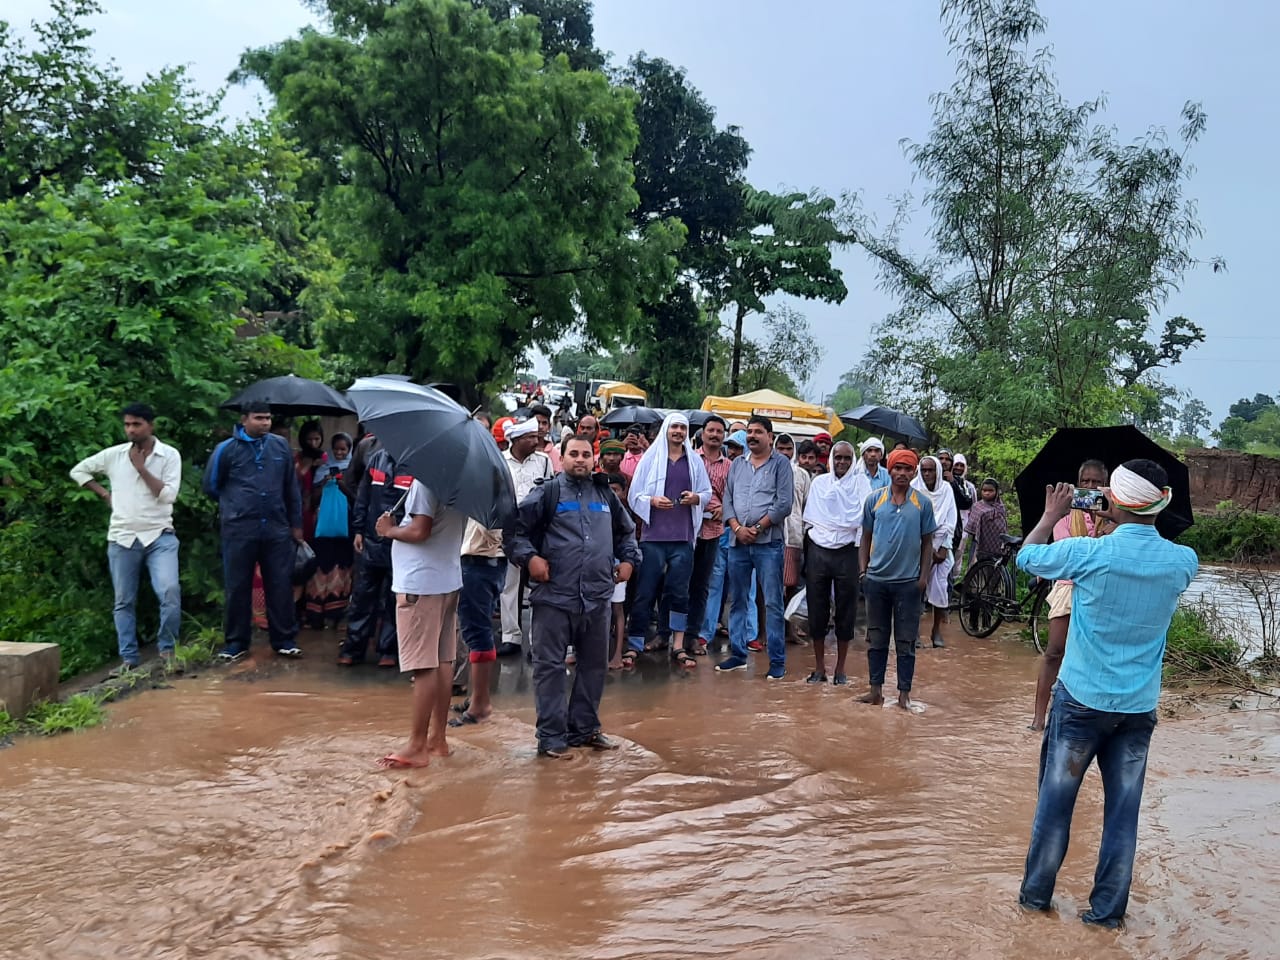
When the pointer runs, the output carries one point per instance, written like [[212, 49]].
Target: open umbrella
[[625, 416], [293, 396], [885, 420], [1059, 462], [436, 441]]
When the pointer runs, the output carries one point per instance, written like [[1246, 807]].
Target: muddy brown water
[[238, 814]]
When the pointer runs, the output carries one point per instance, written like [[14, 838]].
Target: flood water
[[1246, 600], [239, 814]]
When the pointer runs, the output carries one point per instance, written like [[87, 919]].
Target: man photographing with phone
[[1127, 586]]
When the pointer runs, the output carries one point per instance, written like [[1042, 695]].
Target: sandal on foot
[[462, 707], [629, 659], [684, 659], [465, 719], [699, 649], [656, 645]]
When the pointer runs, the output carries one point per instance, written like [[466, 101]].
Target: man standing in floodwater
[[144, 475], [1127, 586], [896, 557], [567, 532]]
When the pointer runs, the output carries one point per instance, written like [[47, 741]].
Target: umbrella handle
[[400, 502]]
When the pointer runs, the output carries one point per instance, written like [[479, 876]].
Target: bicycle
[[988, 597]]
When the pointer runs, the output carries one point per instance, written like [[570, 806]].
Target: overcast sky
[[825, 90]]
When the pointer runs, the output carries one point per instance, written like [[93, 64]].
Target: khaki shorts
[[1060, 600], [427, 630]]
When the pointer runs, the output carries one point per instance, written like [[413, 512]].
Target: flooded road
[[239, 815]]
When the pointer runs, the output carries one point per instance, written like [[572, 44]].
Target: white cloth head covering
[[869, 443], [959, 458], [521, 428], [943, 499], [1136, 494], [835, 503], [650, 478]]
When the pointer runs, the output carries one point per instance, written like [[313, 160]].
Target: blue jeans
[[765, 560], [675, 559], [1073, 737], [715, 593], [892, 604], [126, 563], [482, 584]]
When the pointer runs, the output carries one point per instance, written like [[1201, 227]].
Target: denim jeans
[[1073, 737], [705, 555], [892, 604], [126, 563], [482, 584], [765, 560], [675, 559], [715, 593]]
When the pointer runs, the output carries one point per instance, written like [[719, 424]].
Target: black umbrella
[[293, 396], [1059, 462], [698, 418], [625, 416], [436, 441], [884, 420]]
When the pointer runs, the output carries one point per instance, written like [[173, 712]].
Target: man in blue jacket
[[251, 476]]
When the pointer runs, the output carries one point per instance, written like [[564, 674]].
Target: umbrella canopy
[[698, 418], [1059, 462], [885, 420], [436, 441], [625, 416], [293, 396]]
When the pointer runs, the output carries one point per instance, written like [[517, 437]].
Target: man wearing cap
[[1127, 586], [872, 452], [611, 454], [527, 466], [500, 431], [896, 557], [758, 496]]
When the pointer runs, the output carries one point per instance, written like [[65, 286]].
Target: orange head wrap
[[500, 428], [908, 457]]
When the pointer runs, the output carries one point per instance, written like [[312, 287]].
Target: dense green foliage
[[1252, 426], [138, 232], [1235, 536], [478, 193], [1199, 645]]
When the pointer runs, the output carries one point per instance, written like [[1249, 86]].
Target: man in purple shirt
[[669, 492]]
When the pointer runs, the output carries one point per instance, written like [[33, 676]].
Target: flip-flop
[[393, 762], [465, 719], [629, 659], [699, 649], [684, 660]]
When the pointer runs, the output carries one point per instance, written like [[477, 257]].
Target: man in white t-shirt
[[426, 575]]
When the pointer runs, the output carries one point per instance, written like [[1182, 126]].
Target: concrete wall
[[28, 672]]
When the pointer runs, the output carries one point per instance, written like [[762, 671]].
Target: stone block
[[28, 672]]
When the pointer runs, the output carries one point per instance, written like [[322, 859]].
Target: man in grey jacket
[[568, 533]]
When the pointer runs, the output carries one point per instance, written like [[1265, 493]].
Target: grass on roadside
[[78, 712], [1200, 645], [199, 649]]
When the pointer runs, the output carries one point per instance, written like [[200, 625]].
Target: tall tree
[[479, 193], [686, 168], [783, 244], [563, 25], [1054, 246]]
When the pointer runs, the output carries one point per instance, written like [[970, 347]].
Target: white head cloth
[[943, 499], [521, 428], [836, 502], [650, 478], [1135, 494], [869, 443]]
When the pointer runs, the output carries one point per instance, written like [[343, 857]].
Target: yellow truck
[[616, 393]]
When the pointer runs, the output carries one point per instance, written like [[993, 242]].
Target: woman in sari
[[329, 589], [929, 481]]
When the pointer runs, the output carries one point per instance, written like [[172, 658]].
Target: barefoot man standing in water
[[896, 556], [426, 575]]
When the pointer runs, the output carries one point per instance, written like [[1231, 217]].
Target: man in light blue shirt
[[872, 451], [1127, 586]]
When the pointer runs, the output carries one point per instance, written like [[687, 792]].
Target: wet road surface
[[239, 814]]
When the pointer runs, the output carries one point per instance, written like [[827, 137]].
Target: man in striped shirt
[[707, 549]]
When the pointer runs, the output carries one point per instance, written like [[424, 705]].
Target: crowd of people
[[664, 543]]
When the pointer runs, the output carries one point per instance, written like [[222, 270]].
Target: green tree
[[122, 281], [783, 357], [478, 193], [1249, 410], [783, 245], [1195, 420], [1054, 246], [564, 26], [854, 389], [686, 168]]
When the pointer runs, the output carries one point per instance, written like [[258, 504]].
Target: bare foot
[[874, 697], [615, 664], [1037, 727], [904, 700], [403, 761], [441, 749]]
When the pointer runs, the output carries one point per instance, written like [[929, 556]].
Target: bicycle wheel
[[980, 594], [1038, 624]]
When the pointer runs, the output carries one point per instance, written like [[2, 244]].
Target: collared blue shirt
[[878, 479], [1127, 586]]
